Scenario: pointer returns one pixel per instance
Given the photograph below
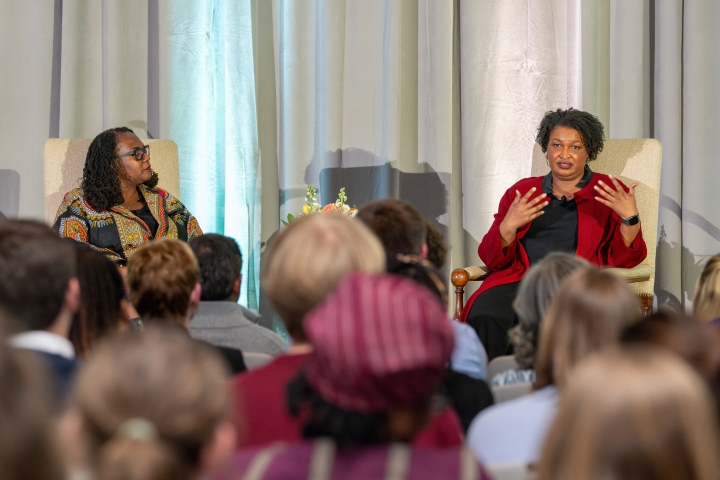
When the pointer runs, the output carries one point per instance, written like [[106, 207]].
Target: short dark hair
[[220, 262], [399, 226], [587, 125], [36, 266]]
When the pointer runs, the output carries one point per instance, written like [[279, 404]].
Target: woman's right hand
[[521, 212]]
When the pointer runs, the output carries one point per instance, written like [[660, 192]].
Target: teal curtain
[[213, 120]]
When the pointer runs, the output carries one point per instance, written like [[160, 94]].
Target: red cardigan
[[599, 239]]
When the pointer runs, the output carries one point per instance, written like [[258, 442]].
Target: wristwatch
[[634, 220]]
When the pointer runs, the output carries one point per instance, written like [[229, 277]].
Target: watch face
[[634, 220]]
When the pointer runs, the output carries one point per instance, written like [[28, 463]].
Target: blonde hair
[[310, 258], [175, 385], [633, 416], [588, 313], [706, 302], [161, 276]]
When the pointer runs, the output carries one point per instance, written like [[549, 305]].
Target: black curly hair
[[587, 124], [101, 174]]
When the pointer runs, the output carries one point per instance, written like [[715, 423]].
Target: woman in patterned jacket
[[118, 207]]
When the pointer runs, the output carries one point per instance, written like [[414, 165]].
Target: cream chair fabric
[[630, 160], [64, 159], [500, 364]]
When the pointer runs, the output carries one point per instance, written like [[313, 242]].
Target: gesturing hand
[[521, 212], [622, 202]]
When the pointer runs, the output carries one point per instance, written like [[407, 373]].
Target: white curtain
[[650, 69], [361, 95]]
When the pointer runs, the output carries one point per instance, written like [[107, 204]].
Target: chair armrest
[[459, 278], [638, 273]]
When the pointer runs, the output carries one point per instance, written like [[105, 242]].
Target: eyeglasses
[[138, 153]]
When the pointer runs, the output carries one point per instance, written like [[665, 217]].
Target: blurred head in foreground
[[706, 302], [589, 312], [310, 258], [536, 291], [635, 415], [28, 447], [381, 344], [695, 342], [151, 405], [102, 294], [399, 226], [38, 284]]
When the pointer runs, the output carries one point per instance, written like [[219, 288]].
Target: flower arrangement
[[312, 206]]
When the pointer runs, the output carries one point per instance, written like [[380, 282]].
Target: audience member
[[436, 247], [118, 206], [467, 395], [28, 449], [219, 319], [164, 287], [402, 231], [400, 228], [588, 314], [706, 302], [102, 295], [149, 406], [381, 344], [535, 293], [696, 343], [40, 291], [301, 267], [636, 415]]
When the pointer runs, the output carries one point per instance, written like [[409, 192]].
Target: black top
[[557, 229], [146, 216]]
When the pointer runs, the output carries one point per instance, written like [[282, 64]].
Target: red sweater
[[261, 415], [599, 239]]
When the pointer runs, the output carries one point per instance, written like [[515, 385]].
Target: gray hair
[[536, 292]]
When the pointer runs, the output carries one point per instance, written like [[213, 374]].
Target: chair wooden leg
[[646, 303]]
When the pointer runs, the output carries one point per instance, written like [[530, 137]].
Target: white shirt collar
[[43, 341]]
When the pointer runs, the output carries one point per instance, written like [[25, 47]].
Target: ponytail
[[136, 452]]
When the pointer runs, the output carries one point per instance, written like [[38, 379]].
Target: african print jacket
[[118, 232]]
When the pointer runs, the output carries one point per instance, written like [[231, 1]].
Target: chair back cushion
[[9, 193], [64, 159], [500, 364], [630, 160]]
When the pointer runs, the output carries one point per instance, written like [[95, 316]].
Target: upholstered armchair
[[630, 160], [64, 159]]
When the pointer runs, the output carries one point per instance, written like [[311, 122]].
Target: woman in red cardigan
[[571, 209]]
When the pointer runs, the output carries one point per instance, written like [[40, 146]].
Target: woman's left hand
[[622, 202]]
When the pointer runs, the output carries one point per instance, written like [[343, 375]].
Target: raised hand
[[521, 212], [622, 202]]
